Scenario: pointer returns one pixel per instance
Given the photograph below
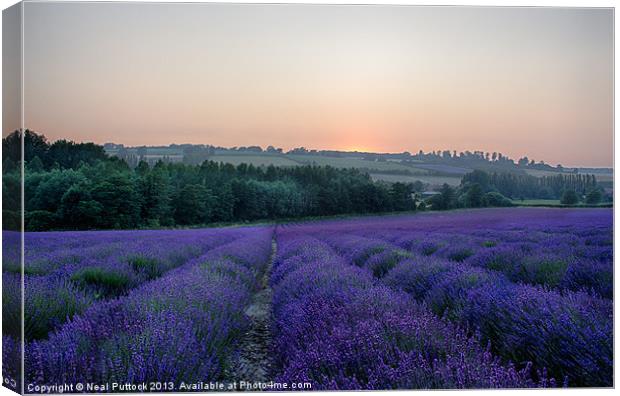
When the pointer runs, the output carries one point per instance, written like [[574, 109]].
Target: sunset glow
[[521, 81]]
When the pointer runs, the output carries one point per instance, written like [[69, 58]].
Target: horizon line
[[286, 149]]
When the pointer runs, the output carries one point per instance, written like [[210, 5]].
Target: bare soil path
[[254, 361]]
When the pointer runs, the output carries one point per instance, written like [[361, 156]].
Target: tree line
[[70, 185], [83, 188], [481, 189]]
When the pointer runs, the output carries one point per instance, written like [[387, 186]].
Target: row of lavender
[[67, 272], [470, 299], [180, 324], [337, 328], [533, 284]]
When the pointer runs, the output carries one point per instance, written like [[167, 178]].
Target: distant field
[[547, 202], [455, 170], [163, 151], [355, 163], [433, 180], [540, 173], [603, 177], [257, 160]]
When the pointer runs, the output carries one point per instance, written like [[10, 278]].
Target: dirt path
[[255, 360]]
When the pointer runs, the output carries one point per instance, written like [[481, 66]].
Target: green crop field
[[257, 160], [356, 163], [432, 180]]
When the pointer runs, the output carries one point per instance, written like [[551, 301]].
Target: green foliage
[[40, 155], [474, 197], [11, 220], [446, 199], [380, 268], [35, 165], [77, 207], [40, 220], [155, 191], [478, 177], [50, 190], [547, 271], [148, 266], [48, 306], [76, 186], [480, 189], [594, 196], [460, 254], [11, 188], [119, 201], [193, 204], [104, 282], [569, 197], [493, 198], [71, 186], [401, 196]]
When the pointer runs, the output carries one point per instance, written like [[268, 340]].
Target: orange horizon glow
[[535, 82]]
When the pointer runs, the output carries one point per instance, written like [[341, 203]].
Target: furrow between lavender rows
[[66, 283], [182, 326]]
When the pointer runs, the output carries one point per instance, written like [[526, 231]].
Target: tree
[[192, 205], [40, 220], [594, 196], [445, 199], [154, 190], [417, 186], [400, 194], [493, 198], [35, 165], [78, 209], [474, 197], [49, 192], [117, 196], [477, 177], [569, 197], [223, 203]]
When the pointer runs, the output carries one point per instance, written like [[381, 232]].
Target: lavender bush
[[494, 298], [536, 289], [338, 329], [179, 327]]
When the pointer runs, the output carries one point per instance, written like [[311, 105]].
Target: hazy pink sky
[[522, 81]]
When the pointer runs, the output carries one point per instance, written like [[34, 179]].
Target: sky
[[521, 81]]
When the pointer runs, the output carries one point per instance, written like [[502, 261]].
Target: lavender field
[[492, 298]]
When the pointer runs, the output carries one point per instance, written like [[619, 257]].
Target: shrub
[[496, 199], [569, 197]]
